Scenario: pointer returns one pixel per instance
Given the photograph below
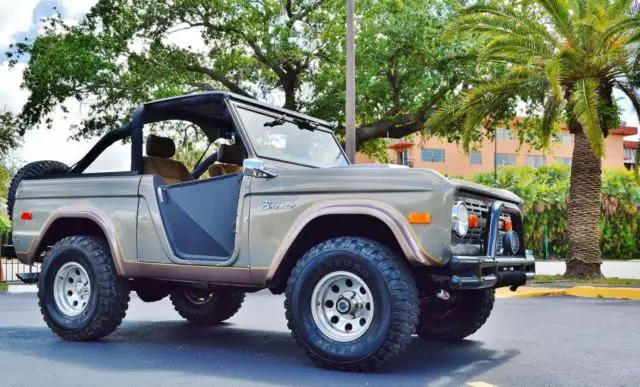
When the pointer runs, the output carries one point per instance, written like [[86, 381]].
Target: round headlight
[[460, 219], [511, 242]]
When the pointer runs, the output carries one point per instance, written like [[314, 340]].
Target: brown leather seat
[[158, 161], [229, 161]]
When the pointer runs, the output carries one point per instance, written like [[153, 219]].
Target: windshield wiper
[[306, 124], [277, 122]]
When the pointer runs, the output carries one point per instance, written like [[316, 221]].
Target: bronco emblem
[[269, 205]]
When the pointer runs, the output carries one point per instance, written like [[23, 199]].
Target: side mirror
[[255, 168]]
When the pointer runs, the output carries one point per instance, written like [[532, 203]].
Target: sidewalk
[[612, 269]]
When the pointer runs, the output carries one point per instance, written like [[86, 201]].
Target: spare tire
[[32, 170]]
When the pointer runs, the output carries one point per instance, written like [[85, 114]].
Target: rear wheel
[[31, 170], [80, 295], [351, 304], [456, 318], [206, 307]]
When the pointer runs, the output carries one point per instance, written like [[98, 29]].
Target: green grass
[[605, 281], [3, 287]]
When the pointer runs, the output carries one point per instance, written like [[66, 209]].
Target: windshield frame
[[289, 116]]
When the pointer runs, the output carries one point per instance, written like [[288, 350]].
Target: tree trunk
[[584, 258]]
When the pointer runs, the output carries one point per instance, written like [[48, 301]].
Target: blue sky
[[20, 19]]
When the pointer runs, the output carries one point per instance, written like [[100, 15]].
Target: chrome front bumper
[[480, 272]]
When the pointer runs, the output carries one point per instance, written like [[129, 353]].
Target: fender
[[93, 214], [398, 224]]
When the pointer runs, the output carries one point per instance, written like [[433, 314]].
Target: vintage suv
[[367, 255]]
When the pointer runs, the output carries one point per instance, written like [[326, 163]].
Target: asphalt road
[[527, 342]]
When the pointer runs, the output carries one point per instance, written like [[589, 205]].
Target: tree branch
[[228, 83], [402, 125]]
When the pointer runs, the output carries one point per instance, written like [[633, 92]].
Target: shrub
[[545, 192]]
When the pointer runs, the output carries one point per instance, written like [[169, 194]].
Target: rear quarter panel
[[114, 197]]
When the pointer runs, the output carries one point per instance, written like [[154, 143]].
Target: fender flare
[[398, 224], [92, 214]]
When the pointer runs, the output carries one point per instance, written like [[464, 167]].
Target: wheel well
[[64, 227], [332, 226]]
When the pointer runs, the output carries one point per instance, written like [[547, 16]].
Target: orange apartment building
[[449, 158]]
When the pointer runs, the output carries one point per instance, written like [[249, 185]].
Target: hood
[[496, 193], [373, 178]]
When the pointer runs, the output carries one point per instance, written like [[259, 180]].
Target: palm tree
[[562, 56]]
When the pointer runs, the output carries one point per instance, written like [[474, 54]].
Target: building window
[[535, 161], [563, 160], [564, 138], [505, 134], [630, 156], [505, 159], [475, 158], [403, 158], [432, 155]]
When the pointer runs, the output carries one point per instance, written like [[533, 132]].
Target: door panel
[[200, 217]]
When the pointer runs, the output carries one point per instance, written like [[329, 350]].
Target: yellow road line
[[577, 291]]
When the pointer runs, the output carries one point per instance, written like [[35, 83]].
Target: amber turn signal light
[[474, 222], [419, 218], [26, 216]]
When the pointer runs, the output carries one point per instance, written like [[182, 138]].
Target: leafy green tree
[[122, 55], [565, 58], [9, 133]]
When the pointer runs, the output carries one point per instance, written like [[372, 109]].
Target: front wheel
[[351, 304], [206, 307], [80, 294], [456, 318]]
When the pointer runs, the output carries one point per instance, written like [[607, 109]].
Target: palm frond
[[558, 11], [585, 109], [552, 108], [512, 15]]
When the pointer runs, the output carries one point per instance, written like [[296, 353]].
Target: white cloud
[[75, 9], [15, 17], [186, 38], [11, 96], [54, 144]]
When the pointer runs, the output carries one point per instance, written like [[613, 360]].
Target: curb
[[22, 289], [577, 291]]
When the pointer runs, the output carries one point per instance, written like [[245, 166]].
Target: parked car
[[367, 255]]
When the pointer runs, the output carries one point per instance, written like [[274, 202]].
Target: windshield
[[281, 139]]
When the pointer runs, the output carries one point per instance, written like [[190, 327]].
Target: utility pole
[[495, 157], [350, 108]]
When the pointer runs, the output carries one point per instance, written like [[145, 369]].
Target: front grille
[[477, 236]]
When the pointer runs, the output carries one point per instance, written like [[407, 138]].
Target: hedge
[[545, 192]]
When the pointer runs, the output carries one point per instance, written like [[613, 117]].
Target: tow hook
[[443, 295]]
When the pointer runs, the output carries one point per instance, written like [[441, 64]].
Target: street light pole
[[350, 108], [495, 156]]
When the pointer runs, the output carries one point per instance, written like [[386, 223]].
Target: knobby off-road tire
[[362, 271], [469, 311], [31, 170], [204, 307], [107, 300]]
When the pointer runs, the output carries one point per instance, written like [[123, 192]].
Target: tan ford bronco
[[367, 255]]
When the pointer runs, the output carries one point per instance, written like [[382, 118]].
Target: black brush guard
[[489, 270]]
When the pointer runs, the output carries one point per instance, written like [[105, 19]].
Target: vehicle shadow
[[256, 356]]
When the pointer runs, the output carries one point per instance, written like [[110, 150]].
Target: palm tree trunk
[[584, 258]]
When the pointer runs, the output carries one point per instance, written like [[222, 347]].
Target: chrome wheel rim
[[342, 306], [72, 289], [198, 297]]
